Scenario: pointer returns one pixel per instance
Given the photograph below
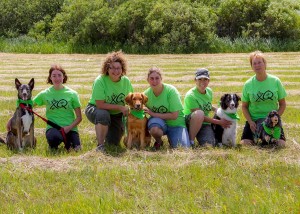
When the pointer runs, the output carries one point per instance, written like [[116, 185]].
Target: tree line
[[180, 26]]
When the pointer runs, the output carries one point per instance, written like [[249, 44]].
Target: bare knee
[[156, 132]]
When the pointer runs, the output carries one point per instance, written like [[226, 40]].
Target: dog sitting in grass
[[270, 130]]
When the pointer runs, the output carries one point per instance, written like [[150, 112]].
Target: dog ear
[[31, 83], [223, 101], [268, 121], [145, 98], [17, 83], [128, 98], [238, 97]]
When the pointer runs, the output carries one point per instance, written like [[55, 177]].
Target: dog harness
[[274, 132], [234, 116]]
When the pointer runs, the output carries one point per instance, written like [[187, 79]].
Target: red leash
[[54, 125]]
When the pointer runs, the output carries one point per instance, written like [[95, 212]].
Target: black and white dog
[[227, 110]]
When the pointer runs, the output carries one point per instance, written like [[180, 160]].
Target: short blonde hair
[[257, 54]]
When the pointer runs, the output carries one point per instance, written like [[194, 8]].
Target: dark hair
[[114, 57], [59, 68]]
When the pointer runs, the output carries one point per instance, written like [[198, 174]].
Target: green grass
[[241, 180]]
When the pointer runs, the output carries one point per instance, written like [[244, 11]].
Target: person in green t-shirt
[[106, 106], [165, 109], [197, 106], [62, 107], [262, 93]]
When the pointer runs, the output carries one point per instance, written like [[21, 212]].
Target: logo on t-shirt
[[206, 107], [262, 96], [57, 104], [160, 109], [116, 99]]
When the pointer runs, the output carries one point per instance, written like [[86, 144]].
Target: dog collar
[[234, 116], [27, 102], [274, 132], [138, 113]]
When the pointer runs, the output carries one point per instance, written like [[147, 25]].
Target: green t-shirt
[[111, 92], [194, 99], [262, 97], [168, 101], [60, 105]]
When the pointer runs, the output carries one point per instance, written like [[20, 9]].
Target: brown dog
[[137, 133], [21, 134]]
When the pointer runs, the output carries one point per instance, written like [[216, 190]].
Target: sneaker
[[77, 148], [157, 145], [100, 148]]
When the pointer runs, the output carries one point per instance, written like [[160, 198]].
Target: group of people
[[180, 122]]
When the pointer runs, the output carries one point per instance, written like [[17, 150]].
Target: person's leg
[[178, 136], [101, 119], [194, 123], [54, 138], [157, 128], [115, 130], [73, 138], [206, 136], [247, 136]]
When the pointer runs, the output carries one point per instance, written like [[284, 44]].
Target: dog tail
[[2, 140]]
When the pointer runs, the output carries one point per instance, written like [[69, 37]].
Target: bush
[[258, 18], [18, 18], [177, 26]]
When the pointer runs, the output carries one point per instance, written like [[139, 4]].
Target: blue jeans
[[177, 136]]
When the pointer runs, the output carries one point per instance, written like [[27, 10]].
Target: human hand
[[252, 126], [124, 110], [147, 111], [225, 123]]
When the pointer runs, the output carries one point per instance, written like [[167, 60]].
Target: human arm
[[101, 104], [164, 116], [246, 113], [222, 122], [77, 120], [282, 106]]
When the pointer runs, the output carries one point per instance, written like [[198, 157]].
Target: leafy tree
[[17, 18]]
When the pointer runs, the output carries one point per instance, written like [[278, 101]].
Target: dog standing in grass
[[21, 134]]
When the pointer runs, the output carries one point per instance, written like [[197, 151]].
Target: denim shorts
[[177, 136]]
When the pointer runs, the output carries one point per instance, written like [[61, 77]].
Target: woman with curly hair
[[106, 106]]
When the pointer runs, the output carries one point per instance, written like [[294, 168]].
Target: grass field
[[243, 180]]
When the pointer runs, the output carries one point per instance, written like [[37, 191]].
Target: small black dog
[[270, 130]]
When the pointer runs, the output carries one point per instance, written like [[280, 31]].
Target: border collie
[[227, 110]]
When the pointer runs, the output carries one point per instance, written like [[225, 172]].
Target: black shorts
[[249, 135]]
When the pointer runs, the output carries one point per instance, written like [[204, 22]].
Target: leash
[[49, 122], [124, 121]]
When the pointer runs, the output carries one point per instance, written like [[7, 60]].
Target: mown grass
[[241, 180]]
